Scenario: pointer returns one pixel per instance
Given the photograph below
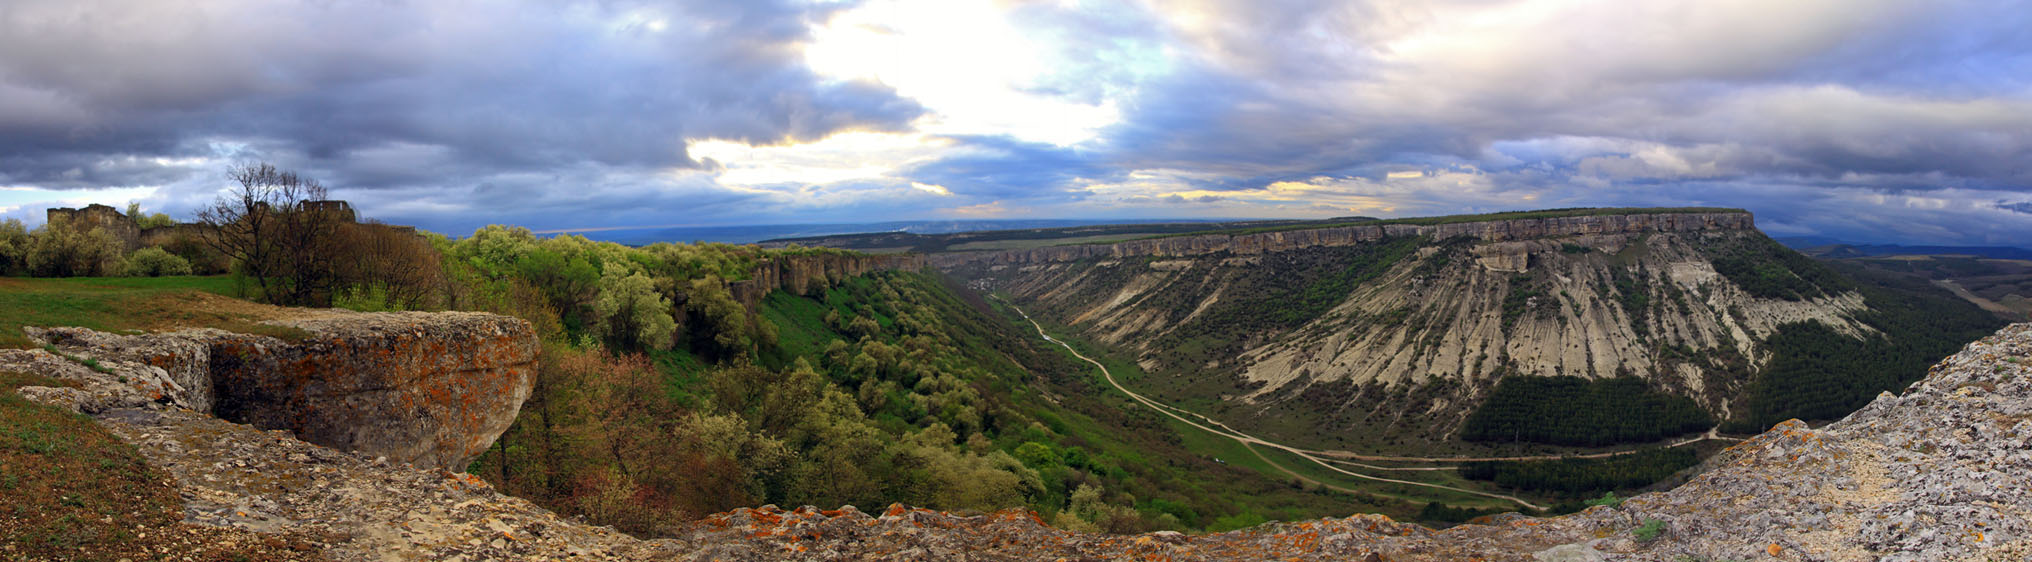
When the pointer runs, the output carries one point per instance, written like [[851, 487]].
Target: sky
[[1864, 120]]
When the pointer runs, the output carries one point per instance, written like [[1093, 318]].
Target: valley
[[1121, 379], [1361, 352]]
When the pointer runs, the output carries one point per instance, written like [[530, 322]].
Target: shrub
[[203, 259], [13, 246], [154, 262], [60, 249], [1650, 531]]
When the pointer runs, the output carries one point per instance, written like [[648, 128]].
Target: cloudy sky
[[1868, 120]]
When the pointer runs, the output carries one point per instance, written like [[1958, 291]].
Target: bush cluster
[[62, 249]]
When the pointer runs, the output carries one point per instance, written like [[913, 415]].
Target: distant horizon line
[[1089, 220]]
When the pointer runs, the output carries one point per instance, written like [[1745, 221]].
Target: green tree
[[61, 249], [146, 222], [14, 242], [726, 323], [630, 313]]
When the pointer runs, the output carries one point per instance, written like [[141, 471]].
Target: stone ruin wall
[[132, 237]]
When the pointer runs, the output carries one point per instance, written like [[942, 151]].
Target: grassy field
[[126, 303]]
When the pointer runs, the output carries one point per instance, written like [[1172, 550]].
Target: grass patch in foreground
[[115, 304]]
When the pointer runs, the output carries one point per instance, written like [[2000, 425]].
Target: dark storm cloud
[[393, 95], [1755, 77], [1903, 117]]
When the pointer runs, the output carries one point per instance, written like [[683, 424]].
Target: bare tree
[[273, 233], [402, 266]]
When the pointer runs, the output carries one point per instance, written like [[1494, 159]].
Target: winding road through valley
[[1246, 439], [1328, 458]]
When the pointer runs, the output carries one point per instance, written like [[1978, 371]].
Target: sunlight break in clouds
[[965, 61]]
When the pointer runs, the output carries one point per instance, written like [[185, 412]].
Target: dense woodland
[[1576, 478], [662, 398], [1818, 373], [1768, 270], [1568, 410]]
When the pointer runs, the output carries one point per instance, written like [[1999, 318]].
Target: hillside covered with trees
[[678, 380]]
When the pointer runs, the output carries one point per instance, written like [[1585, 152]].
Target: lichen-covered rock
[[429, 389], [166, 368]]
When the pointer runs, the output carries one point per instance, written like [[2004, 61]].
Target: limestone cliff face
[[429, 389], [1939, 473], [803, 274], [1594, 297], [1491, 231]]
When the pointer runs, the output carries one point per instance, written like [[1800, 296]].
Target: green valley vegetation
[[1766, 269], [1575, 478], [1568, 410], [1819, 373], [662, 397], [674, 382]]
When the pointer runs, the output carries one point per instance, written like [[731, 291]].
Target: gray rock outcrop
[[429, 389]]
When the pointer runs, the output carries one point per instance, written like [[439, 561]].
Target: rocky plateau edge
[[1942, 472], [1487, 231]]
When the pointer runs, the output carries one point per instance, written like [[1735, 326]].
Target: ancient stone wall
[[122, 227], [1492, 231], [132, 237], [164, 235]]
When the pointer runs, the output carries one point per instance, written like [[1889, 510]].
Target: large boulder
[[429, 389]]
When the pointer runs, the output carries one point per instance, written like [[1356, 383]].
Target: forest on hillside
[[667, 389], [663, 398], [1818, 373]]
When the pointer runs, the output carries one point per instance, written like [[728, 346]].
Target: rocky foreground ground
[[1943, 472]]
